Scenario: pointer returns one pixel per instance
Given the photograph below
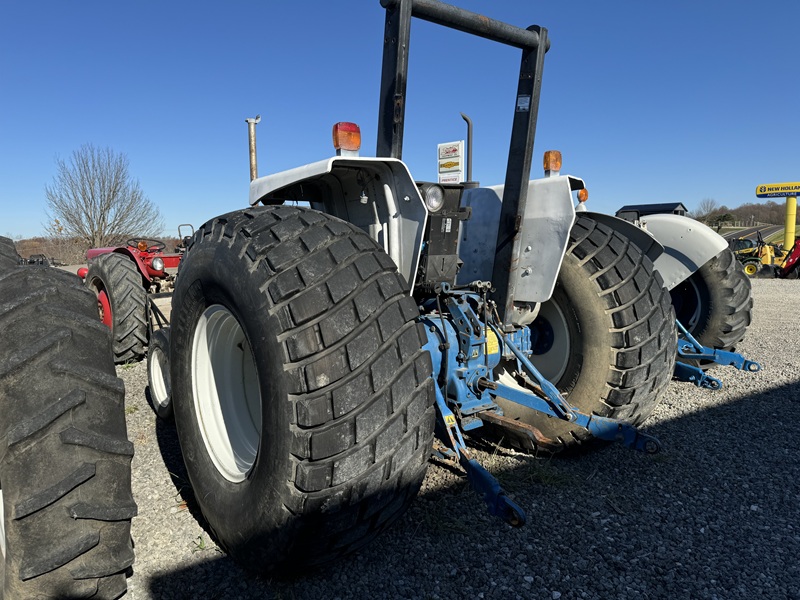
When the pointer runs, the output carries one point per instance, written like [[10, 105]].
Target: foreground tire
[[606, 338], [303, 399], [65, 460], [715, 304], [158, 377], [121, 300]]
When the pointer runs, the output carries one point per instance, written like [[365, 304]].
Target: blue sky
[[648, 101]]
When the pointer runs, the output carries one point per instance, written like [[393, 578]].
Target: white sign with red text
[[451, 162]]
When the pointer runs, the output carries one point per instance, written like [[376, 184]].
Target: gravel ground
[[713, 516]]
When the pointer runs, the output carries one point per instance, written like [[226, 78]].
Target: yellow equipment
[[754, 254]]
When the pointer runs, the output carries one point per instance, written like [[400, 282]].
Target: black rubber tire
[[158, 377], [616, 332], [751, 267], [118, 276], [8, 254], [715, 304], [346, 393], [65, 460]]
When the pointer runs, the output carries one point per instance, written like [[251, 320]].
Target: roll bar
[[533, 43]]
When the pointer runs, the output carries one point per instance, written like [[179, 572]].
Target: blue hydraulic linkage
[[690, 348], [464, 350]]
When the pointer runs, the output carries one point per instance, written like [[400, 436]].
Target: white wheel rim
[[227, 401], [2, 526], [553, 363], [159, 377]]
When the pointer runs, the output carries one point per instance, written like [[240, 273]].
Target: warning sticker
[[492, 343]]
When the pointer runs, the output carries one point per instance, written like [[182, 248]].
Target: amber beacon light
[[346, 137]]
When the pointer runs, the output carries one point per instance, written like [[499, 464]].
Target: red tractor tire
[[121, 301]]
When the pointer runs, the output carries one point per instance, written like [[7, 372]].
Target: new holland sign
[[778, 190]]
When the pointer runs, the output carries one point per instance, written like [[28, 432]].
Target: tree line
[[711, 212]]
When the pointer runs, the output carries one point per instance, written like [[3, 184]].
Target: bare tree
[[94, 198], [706, 208]]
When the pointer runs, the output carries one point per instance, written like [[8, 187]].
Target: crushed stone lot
[[715, 515]]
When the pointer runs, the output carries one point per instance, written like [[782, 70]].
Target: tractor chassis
[[465, 350]]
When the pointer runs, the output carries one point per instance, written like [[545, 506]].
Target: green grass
[[776, 238]]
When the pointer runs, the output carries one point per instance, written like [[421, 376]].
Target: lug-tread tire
[[120, 278], [621, 329], [347, 394], [715, 304], [158, 378], [751, 267], [65, 460], [8, 254]]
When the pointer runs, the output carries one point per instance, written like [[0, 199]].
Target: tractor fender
[[688, 245], [543, 235], [378, 195], [682, 245], [93, 253]]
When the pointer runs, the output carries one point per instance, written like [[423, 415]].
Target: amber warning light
[[346, 137], [552, 161]]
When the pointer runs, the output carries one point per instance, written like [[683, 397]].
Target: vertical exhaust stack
[[469, 146], [251, 135]]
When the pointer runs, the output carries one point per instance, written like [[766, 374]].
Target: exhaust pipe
[[469, 146], [251, 134]]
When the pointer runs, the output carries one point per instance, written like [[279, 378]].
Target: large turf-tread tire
[[715, 304], [622, 335], [120, 278], [65, 460], [346, 388], [8, 254]]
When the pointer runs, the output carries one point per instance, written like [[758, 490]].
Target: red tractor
[[122, 277]]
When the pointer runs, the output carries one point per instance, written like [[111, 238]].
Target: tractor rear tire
[[65, 460], [118, 285], [303, 399], [158, 377], [606, 338], [715, 304], [8, 253]]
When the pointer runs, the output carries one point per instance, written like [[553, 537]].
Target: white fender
[[688, 245], [543, 237], [377, 195]]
